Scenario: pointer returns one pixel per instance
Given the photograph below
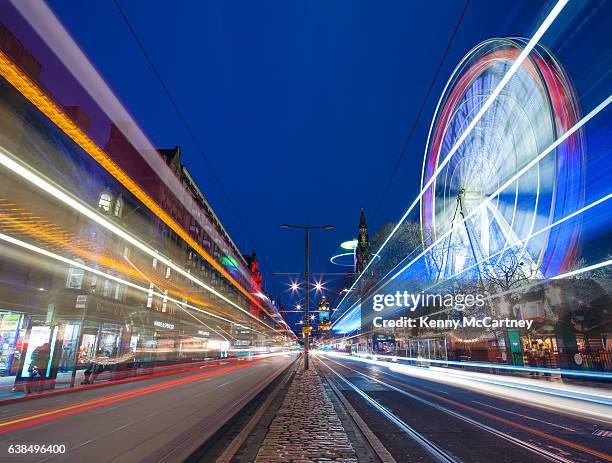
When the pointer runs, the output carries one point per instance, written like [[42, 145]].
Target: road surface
[[159, 419], [421, 416]]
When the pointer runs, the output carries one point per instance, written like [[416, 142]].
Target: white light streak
[[517, 175], [515, 66], [59, 40], [542, 230], [583, 270], [6, 159], [73, 263]]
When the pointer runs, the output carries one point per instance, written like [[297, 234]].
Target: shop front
[[433, 348], [13, 326], [165, 340], [540, 350], [383, 344], [195, 343]]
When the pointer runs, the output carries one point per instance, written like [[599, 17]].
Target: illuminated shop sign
[[203, 333], [160, 324]]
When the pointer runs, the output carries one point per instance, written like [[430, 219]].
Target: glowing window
[[75, 276]]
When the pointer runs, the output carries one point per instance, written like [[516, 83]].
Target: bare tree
[[509, 277], [405, 243]]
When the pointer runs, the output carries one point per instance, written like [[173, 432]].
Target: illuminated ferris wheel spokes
[[529, 113]]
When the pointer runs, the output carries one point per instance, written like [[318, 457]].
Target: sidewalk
[[306, 427], [62, 382]]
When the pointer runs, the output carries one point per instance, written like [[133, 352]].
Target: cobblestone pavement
[[306, 427]]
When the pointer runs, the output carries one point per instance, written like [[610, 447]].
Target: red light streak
[[49, 415]]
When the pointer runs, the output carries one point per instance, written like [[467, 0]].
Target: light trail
[[179, 305], [36, 95], [44, 252], [569, 398], [7, 160], [59, 40], [437, 452], [37, 418], [34, 227], [542, 230], [583, 270], [550, 18], [600, 107], [144, 373], [416, 393], [496, 366]]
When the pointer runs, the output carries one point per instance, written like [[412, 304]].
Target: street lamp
[[306, 328]]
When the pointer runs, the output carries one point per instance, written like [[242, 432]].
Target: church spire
[[363, 253], [362, 222]]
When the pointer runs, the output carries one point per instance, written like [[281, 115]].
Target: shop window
[[105, 202], [75, 276], [107, 289]]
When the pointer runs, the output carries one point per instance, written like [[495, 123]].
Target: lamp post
[[307, 327]]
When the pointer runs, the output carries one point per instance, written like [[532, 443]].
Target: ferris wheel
[[475, 227]]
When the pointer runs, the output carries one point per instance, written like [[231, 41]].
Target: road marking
[[602, 433]]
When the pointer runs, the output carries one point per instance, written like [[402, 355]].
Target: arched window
[[105, 202], [118, 207], [75, 276]]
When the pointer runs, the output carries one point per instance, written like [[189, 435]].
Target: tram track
[[547, 454], [434, 450]]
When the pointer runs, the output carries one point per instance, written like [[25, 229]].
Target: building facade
[[101, 261]]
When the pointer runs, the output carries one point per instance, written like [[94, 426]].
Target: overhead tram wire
[[550, 18], [418, 117], [182, 118]]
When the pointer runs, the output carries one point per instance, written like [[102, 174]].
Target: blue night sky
[[302, 107]]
